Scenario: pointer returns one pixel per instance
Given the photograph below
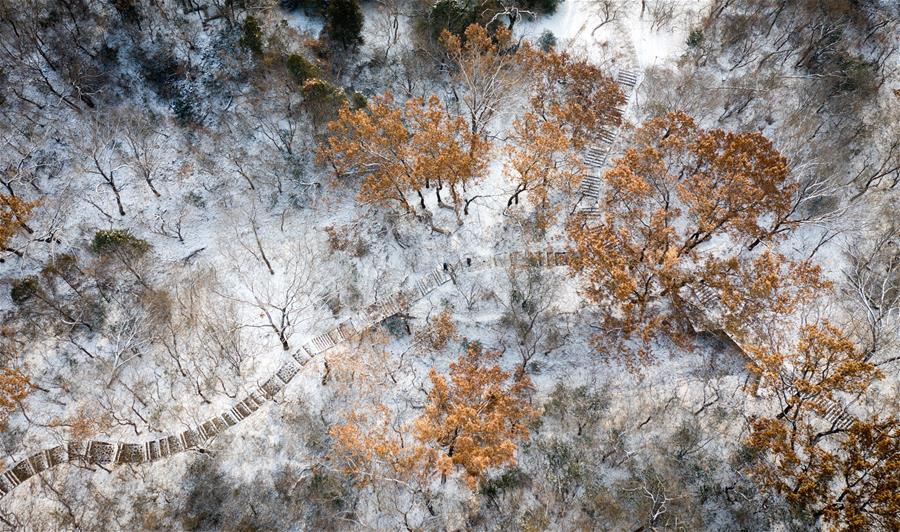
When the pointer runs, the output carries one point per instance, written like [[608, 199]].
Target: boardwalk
[[595, 157], [159, 448]]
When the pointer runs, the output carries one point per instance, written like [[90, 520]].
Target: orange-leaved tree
[[761, 288], [867, 495], [574, 93], [851, 484], [834, 470], [487, 71], [439, 332], [14, 386], [571, 101], [400, 149], [540, 160], [822, 362], [477, 418], [370, 449], [678, 208], [14, 215], [445, 154]]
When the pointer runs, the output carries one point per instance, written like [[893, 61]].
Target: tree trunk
[[152, 188], [515, 197], [421, 199], [115, 189]]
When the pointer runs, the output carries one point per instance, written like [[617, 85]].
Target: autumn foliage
[[476, 417], [823, 362], [370, 448], [14, 386], [439, 332], [539, 160], [570, 101], [853, 484], [473, 422], [14, 215], [573, 93], [487, 71], [404, 148], [680, 206], [847, 476], [761, 288]]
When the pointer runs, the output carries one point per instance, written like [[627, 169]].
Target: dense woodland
[[450, 265]]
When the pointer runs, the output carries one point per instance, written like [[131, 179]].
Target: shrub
[[322, 100], [185, 108], [319, 91], [358, 100], [695, 39], [542, 6], [324, 489], [162, 72], [128, 10], [64, 265], [251, 36], [24, 289], [854, 74], [510, 479], [344, 22], [309, 7], [451, 15], [547, 41], [397, 326], [301, 68], [196, 199], [107, 242]]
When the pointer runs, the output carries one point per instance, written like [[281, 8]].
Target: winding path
[[113, 453], [118, 453]]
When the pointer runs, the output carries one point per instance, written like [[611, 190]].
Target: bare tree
[[125, 339], [880, 166], [609, 12], [286, 297], [278, 115], [386, 23], [142, 146], [873, 284], [530, 312], [101, 149]]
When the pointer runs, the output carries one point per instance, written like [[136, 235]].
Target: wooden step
[[705, 294], [607, 135], [594, 157], [627, 78], [272, 386], [591, 213], [152, 451], [100, 452], [38, 462], [347, 330], [23, 470], [190, 438], [10, 478], [176, 444], [57, 455], [287, 371]]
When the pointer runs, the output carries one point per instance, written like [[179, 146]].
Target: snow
[[580, 25], [303, 22], [229, 274]]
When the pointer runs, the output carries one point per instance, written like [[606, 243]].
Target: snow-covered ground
[[242, 245]]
